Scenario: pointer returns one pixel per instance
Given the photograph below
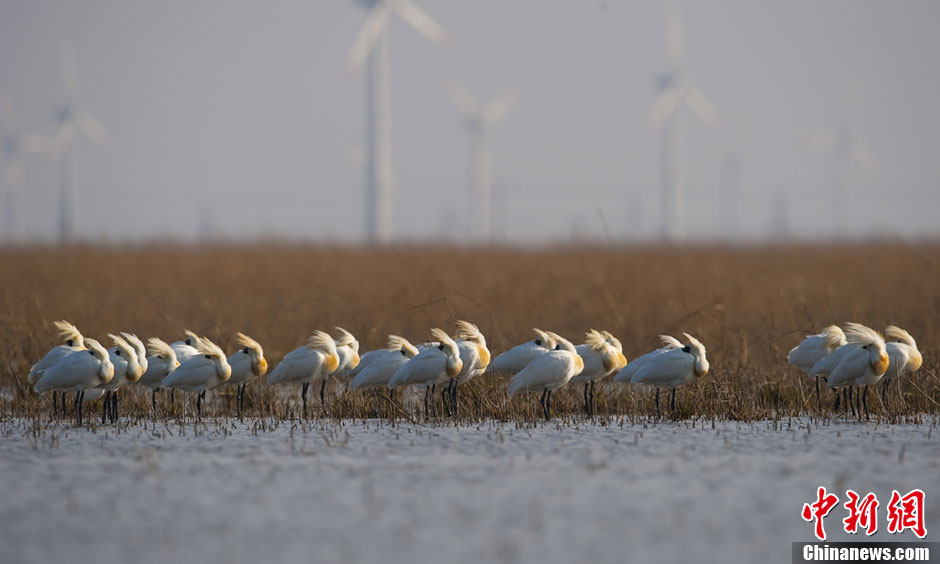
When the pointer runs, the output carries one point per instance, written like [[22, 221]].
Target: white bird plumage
[[433, 365], [247, 364], [674, 368], [186, 348], [602, 354], [200, 373], [161, 361], [627, 372], [549, 371], [78, 371], [314, 361], [73, 341], [862, 361], [814, 348], [516, 358], [383, 366]]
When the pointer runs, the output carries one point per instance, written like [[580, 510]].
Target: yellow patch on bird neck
[[916, 361], [578, 362], [881, 365], [484, 355], [332, 361], [260, 367]]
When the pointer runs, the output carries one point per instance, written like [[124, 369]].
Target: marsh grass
[[749, 306]]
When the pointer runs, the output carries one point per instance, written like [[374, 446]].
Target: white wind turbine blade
[[462, 97], [822, 138], [420, 21], [38, 144], [497, 109], [92, 127], [368, 36], [664, 107], [701, 106], [64, 137]]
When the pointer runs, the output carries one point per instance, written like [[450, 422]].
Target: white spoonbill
[[379, 372], [127, 370], [312, 362], [516, 358], [73, 342], [200, 373], [247, 364], [627, 372], [160, 362], [864, 362], [814, 348], [347, 349], [187, 348], [548, 372], [674, 368], [431, 366], [78, 371], [602, 354], [903, 357], [473, 354]]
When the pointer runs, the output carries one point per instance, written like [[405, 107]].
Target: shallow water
[[493, 492]]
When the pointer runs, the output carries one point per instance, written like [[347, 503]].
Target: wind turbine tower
[[371, 46], [851, 155], [71, 118], [675, 88], [479, 120]]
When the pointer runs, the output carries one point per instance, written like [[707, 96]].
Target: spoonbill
[[186, 348], [160, 362], [347, 349], [314, 361], [903, 355], [200, 373], [602, 354], [247, 364], [674, 368], [814, 348], [431, 366], [78, 371], [626, 373], [474, 356], [379, 371], [549, 371], [127, 370], [864, 362], [516, 358], [73, 342]]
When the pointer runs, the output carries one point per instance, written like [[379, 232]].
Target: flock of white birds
[[855, 357]]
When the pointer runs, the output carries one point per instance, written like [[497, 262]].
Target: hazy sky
[[239, 115]]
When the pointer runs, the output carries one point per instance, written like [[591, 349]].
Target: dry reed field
[[749, 306]]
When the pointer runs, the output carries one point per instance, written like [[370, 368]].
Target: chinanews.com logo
[[904, 513]]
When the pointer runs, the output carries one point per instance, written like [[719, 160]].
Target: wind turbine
[[371, 44], [850, 153], [480, 184], [71, 119], [675, 87], [15, 148]]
